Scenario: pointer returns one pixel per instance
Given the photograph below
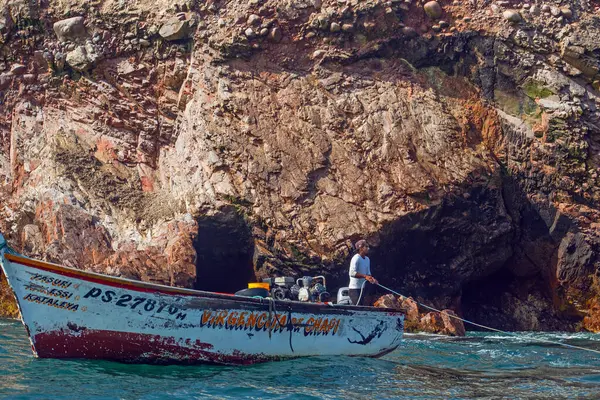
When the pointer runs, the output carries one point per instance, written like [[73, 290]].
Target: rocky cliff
[[202, 144]]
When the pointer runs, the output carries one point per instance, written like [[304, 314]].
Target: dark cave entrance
[[224, 248], [522, 295], [482, 301], [510, 302]]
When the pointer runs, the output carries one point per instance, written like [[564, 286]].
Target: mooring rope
[[493, 329]]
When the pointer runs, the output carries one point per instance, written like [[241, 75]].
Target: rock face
[[220, 147]]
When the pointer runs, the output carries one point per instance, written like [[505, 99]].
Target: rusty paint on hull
[[134, 348], [74, 314]]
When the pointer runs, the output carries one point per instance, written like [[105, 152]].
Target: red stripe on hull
[[134, 348], [139, 287]]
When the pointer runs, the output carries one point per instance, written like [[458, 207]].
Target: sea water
[[480, 365]]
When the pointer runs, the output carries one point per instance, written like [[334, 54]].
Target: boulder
[[409, 31], [348, 28], [253, 19], [452, 325], [18, 69], [411, 308], [432, 322], [275, 35], [433, 9], [322, 22], [71, 29], [175, 29], [81, 58], [512, 16], [566, 12]]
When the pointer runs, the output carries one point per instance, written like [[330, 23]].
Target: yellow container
[[259, 285]]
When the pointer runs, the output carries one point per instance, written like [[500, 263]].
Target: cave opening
[[482, 300], [225, 250], [511, 302]]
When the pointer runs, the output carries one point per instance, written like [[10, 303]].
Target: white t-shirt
[[360, 265]]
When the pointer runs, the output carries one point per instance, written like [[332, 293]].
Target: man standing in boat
[[360, 273]]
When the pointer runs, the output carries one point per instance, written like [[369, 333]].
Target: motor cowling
[[343, 296]]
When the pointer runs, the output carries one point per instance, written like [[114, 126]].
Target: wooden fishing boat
[[69, 313]]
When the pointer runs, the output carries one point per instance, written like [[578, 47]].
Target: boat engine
[[343, 296], [306, 289], [313, 289]]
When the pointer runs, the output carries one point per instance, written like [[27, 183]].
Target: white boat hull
[[74, 314]]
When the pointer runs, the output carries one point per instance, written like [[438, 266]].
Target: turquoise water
[[479, 366]]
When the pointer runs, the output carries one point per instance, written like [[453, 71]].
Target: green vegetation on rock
[[519, 106], [535, 90], [8, 306]]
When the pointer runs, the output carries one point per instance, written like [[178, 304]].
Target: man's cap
[[360, 244]]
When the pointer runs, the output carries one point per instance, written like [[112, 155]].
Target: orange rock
[[387, 301], [432, 322], [592, 321], [412, 309], [452, 326]]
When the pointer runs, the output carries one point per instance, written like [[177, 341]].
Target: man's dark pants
[[366, 296]]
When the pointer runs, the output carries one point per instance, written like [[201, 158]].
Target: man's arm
[[367, 277]]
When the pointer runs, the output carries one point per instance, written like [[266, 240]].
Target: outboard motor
[[343, 296]]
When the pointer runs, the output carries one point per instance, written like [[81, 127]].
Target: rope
[[361, 292], [493, 329], [269, 319]]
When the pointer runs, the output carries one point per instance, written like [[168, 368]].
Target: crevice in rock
[[224, 248]]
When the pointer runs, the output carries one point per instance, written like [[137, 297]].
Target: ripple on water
[[425, 366]]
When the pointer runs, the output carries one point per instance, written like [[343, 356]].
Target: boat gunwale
[[170, 290]]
